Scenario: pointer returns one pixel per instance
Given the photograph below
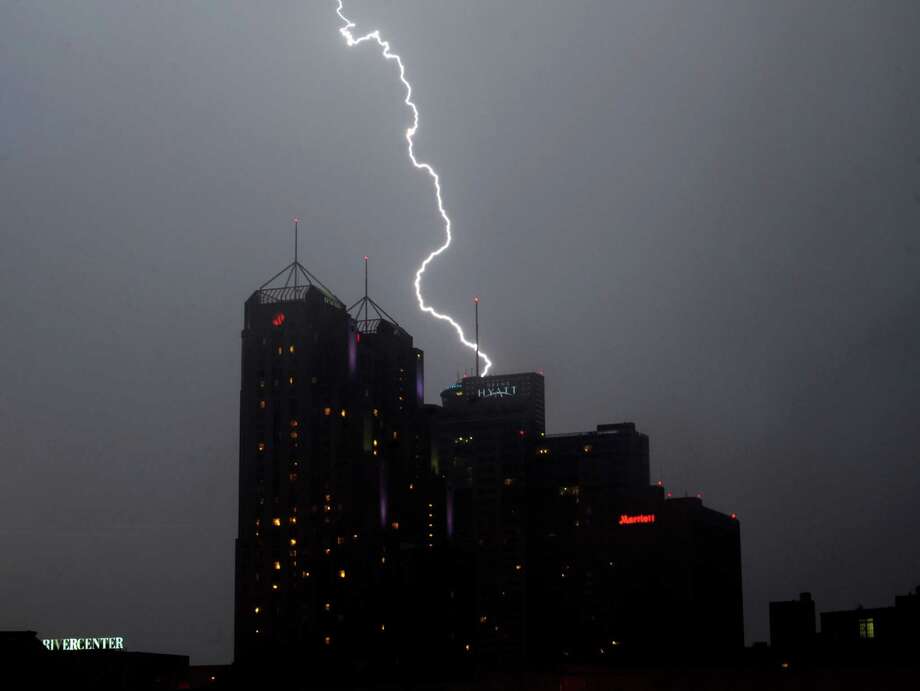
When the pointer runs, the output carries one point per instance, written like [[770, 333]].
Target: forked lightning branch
[[374, 36]]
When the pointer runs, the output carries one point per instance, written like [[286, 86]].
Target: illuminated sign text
[[626, 519], [101, 643], [499, 390]]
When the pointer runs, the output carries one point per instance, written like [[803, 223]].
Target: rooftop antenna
[[273, 290], [476, 302], [296, 234], [361, 310]]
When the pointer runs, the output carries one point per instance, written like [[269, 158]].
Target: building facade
[[334, 492]]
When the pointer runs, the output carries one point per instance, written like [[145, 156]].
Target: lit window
[[376, 412], [274, 586], [262, 404], [295, 423], [867, 628], [304, 574], [411, 486], [257, 610], [277, 566], [280, 350], [344, 412], [518, 567], [294, 434], [327, 411], [340, 540], [395, 525], [276, 521], [383, 627], [327, 551], [342, 573], [587, 448], [327, 606], [293, 541], [291, 380], [291, 349], [261, 446], [292, 520], [327, 640]]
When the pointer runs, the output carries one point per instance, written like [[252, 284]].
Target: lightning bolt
[[374, 36]]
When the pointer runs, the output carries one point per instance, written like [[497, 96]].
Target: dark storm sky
[[700, 216]]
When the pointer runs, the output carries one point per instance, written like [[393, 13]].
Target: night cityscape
[[589, 361]]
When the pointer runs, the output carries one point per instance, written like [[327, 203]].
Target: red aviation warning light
[[278, 319]]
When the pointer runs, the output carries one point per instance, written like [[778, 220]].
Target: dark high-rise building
[[614, 564], [572, 554], [333, 491], [484, 437]]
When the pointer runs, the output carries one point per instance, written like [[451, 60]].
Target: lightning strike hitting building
[[374, 36]]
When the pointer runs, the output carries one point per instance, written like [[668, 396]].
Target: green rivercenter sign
[[95, 643]]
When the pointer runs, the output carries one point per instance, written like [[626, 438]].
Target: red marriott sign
[[626, 519]]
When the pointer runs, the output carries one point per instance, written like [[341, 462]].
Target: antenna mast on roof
[[296, 234], [476, 301], [363, 305]]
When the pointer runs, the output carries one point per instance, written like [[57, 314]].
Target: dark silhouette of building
[[869, 638], [484, 437], [570, 550], [26, 664], [616, 565], [792, 625], [335, 490], [380, 537], [879, 628]]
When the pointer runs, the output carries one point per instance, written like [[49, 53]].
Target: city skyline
[[703, 220]]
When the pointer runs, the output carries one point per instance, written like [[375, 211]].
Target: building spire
[[360, 311], [294, 273], [476, 302], [296, 238]]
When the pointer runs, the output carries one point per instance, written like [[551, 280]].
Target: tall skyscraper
[[334, 497], [485, 435]]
